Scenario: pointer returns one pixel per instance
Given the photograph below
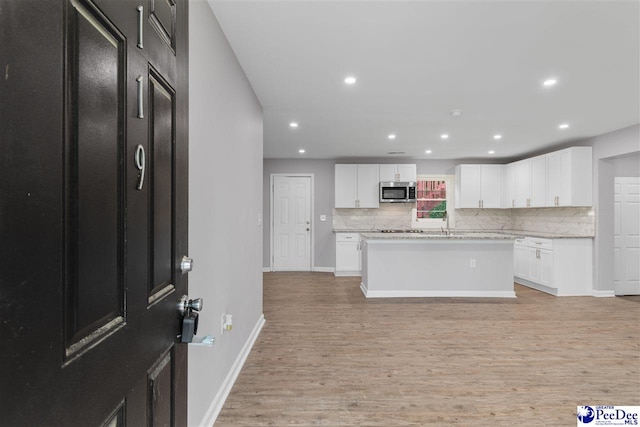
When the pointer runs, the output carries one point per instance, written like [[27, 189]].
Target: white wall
[[606, 148], [225, 190]]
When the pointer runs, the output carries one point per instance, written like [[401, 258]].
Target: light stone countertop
[[509, 234], [437, 236]]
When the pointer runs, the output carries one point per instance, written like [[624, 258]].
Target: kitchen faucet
[[445, 217]]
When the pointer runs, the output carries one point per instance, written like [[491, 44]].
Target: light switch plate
[[323, 217]]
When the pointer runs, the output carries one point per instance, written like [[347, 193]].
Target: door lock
[[188, 309], [186, 265]]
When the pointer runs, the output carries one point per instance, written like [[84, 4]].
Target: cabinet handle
[[140, 25], [513, 203], [140, 98], [538, 253]]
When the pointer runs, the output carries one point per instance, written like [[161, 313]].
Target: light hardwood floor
[[328, 356]]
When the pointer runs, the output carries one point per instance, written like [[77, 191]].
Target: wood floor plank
[[327, 356]]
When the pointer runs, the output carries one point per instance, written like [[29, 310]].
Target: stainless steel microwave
[[398, 192]]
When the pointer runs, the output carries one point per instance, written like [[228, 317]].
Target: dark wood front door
[[93, 212]]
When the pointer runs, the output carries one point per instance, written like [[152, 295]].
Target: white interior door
[[627, 236], [291, 223]]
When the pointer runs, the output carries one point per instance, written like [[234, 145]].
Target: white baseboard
[[554, 291], [347, 273], [435, 294], [324, 269], [363, 288], [318, 269], [221, 396], [439, 294], [603, 293]]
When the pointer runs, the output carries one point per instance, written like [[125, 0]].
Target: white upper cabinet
[[357, 186], [478, 186], [530, 182], [508, 197], [346, 186], [368, 186], [521, 183], [403, 173], [538, 194], [569, 177], [560, 178]]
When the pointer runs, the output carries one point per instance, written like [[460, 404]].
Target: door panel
[[161, 106], [83, 347], [94, 222]]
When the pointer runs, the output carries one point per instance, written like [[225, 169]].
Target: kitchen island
[[437, 265]]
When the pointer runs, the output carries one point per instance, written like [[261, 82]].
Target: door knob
[[186, 305], [186, 265], [188, 309]]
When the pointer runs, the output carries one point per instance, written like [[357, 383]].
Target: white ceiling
[[415, 61]]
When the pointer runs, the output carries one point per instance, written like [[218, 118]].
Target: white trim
[[603, 294], [552, 291], [347, 273], [432, 223], [439, 294], [266, 269], [363, 288], [435, 294], [324, 269], [221, 396], [312, 216]]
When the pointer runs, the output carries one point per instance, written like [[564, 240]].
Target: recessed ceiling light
[[492, 151], [563, 126], [392, 136], [301, 151], [428, 152], [497, 136], [456, 113], [350, 80], [293, 124], [549, 82], [444, 136]]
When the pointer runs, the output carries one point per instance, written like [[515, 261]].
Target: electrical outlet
[[226, 323], [472, 263]]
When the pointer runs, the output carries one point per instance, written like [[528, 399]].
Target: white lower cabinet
[[561, 267], [348, 254], [521, 258]]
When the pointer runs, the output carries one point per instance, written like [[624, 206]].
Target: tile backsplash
[[395, 216], [572, 221], [564, 221]]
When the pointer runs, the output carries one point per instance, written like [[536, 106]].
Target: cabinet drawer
[[521, 242], [347, 237], [535, 242]]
